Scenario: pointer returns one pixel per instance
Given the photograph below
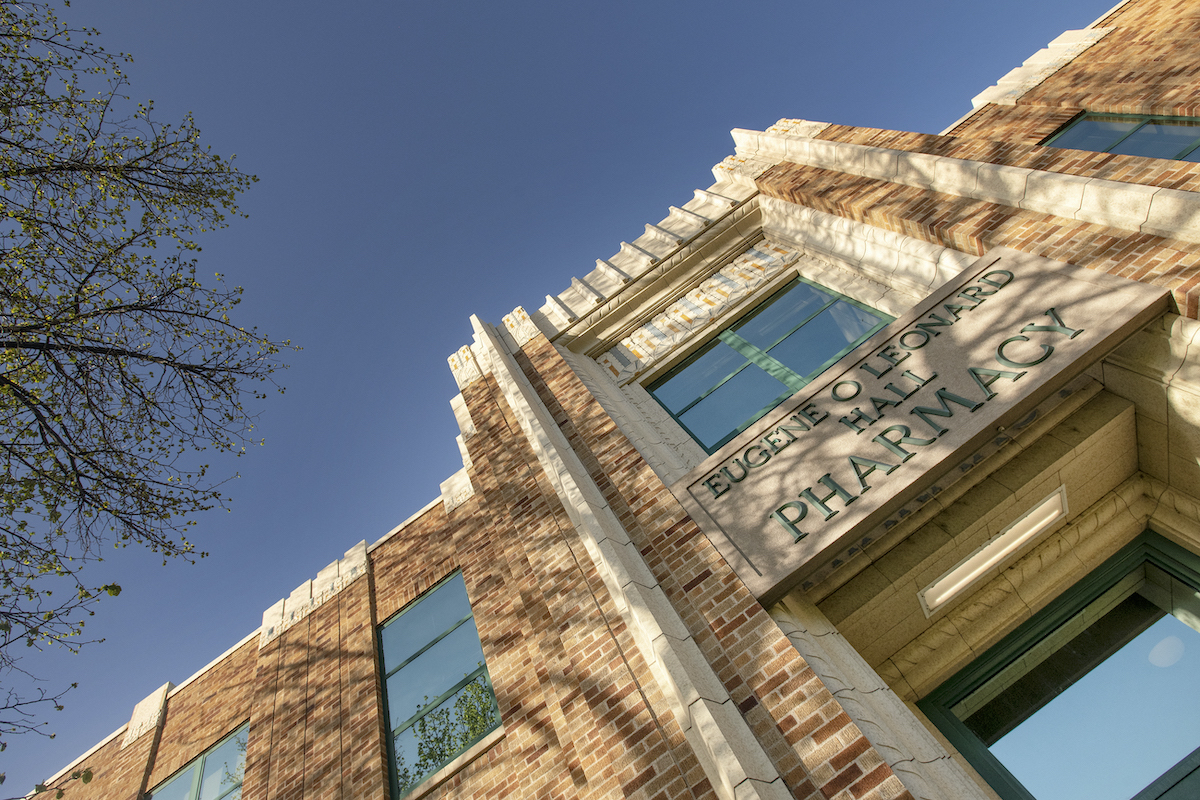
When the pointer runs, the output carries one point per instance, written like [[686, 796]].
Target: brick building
[[856, 476]]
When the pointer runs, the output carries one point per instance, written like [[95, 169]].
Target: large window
[[767, 356], [1097, 696], [1156, 137], [216, 775], [439, 695]]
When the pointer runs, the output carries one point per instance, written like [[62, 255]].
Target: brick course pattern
[[800, 724], [974, 226]]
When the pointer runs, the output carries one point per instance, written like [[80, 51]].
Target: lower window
[[1098, 695], [439, 696], [216, 775]]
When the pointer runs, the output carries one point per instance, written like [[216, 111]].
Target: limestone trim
[[1111, 522], [312, 594], [1170, 213], [521, 327], [669, 451], [456, 490], [1039, 66], [147, 715], [704, 224], [732, 758], [921, 763], [908, 267], [464, 367]]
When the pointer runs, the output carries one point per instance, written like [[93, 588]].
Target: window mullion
[[417, 654], [1129, 133], [773, 367], [437, 701]]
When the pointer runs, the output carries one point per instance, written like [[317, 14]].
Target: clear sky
[[420, 162]]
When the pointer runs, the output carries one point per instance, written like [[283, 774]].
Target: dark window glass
[[1155, 137], [764, 358], [216, 775], [439, 695], [1108, 677]]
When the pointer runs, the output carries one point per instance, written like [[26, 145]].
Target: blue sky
[[420, 162]]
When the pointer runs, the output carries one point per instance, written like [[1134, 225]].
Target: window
[[1096, 696], [216, 775], [1156, 137], [439, 696], [766, 357]]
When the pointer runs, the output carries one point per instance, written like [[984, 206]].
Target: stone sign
[[891, 417]]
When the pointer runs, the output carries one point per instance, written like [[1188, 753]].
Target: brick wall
[[1147, 65], [815, 747], [974, 226]]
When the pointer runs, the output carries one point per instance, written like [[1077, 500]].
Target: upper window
[[439, 695], [766, 357], [1156, 137], [1096, 696], [216, 775]]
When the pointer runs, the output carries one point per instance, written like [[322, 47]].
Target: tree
[[441, 734], [116, 364]]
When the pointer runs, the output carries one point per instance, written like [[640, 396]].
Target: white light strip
[[999, 548]]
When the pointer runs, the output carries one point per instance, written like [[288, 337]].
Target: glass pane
[[178, 788], [833, 332], [223, 767], [416, 628], [444, 732], [782, 314], [691, 382], [742, 398], [1135, 670], [433, 672], [1159, 139], [1096, 134]]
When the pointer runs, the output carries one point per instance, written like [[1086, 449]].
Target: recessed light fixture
[[997, 549]]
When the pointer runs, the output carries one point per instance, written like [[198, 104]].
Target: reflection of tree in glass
[[447, 731], [233, 777]]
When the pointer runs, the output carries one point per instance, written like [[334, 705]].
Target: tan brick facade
[[627, 657]]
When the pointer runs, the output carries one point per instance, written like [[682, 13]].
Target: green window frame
[[1095, 628], [434, 715], [1176, 138], [215, 775], [773, 351]]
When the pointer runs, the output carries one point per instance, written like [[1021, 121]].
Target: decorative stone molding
[[520, 326], [464, 367], [1039, 66], [456, 490], [733, 759], [582, 288], [313, 593], [670, 237], [921, 763], [798, 127], [743, 169], [656, 339], [639, 253], [1134, 207], [462, 415], [605, 267], [147, 715]]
